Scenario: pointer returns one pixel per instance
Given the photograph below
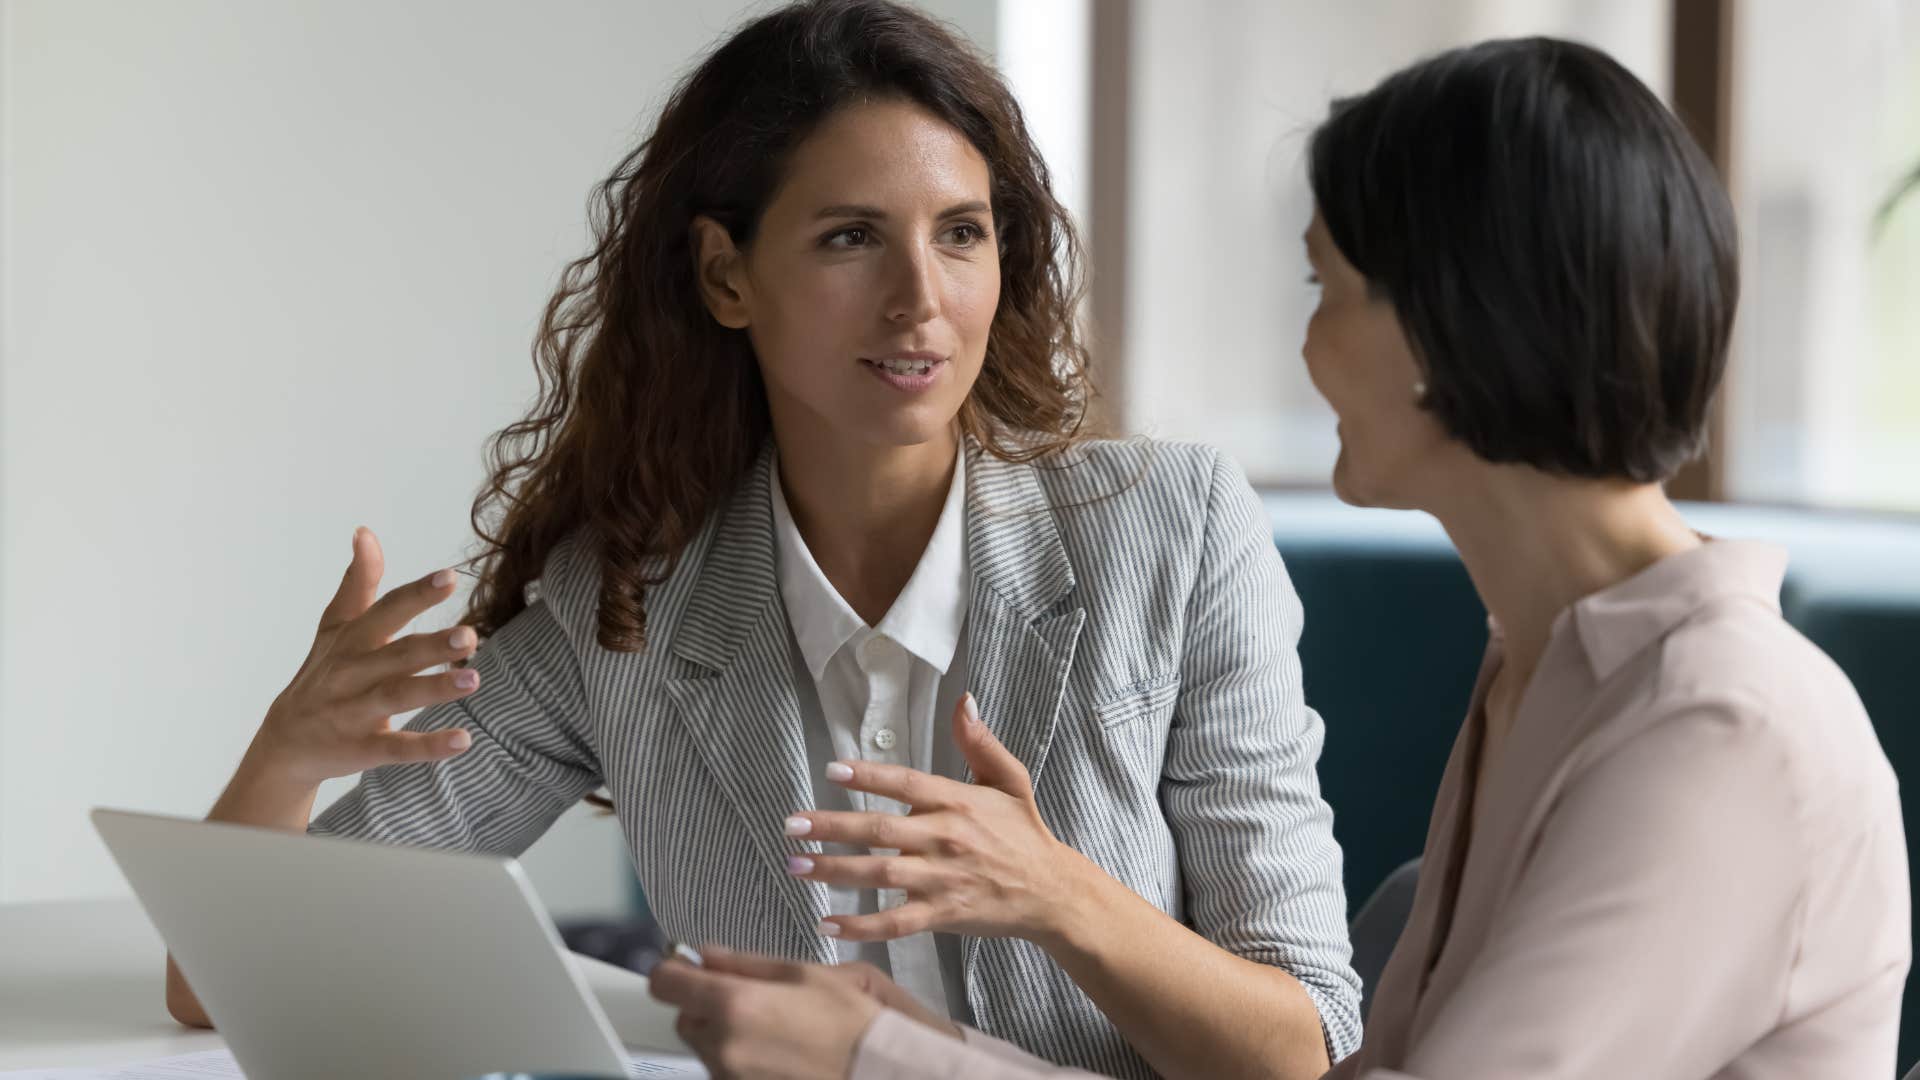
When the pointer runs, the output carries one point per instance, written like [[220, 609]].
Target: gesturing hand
[[333, 718], [974, 858]]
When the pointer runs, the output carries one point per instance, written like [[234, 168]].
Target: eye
[[847, 239], [966, 234], [1313, 280]]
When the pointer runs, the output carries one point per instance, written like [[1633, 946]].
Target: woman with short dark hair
[[1667, 844]]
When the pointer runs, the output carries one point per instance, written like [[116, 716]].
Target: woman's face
[[1359, 359], [871, 284]]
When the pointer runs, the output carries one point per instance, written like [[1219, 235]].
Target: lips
[[905, 365], [908, 372]]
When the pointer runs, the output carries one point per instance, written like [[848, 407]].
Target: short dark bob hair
[[1560, 253]]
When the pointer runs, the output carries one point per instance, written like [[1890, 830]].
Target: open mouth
[[906, 373], [908, 367]]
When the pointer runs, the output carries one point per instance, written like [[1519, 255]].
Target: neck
[[867, 512], [1535, 544]]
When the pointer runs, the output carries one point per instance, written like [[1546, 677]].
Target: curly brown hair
[[650, 412]]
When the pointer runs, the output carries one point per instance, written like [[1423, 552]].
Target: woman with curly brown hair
[[808, 476]]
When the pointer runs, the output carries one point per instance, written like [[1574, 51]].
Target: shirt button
[[884, 738]]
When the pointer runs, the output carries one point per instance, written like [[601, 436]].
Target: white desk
[[85, 984]]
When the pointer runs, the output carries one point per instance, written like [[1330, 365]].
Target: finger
[[922, 791], [867, 979], [397, 608], [414, 747], [910, 872], [895, 832], [406, 693], [913, 917], [694, 990], [702, 1037], [993, 764], [360, 584], [752, 965], [407, 656]]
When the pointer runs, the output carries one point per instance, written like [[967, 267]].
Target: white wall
[[1224, 95], [268, 271]]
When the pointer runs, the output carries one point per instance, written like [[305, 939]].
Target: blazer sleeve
[[529, 760], [1240, 786], [1652, 933]]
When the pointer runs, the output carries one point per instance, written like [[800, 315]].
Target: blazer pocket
[[1141, 699]]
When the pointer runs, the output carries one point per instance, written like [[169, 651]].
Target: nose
[[913, 295]]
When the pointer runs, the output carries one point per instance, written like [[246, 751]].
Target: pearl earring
[[1420, 390]]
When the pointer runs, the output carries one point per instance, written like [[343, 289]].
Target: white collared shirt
[[883, 693]]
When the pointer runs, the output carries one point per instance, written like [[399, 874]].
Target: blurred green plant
[[1900, 191]]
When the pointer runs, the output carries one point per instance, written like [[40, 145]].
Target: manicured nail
[[971, 708], [799, 864], [466, 678], [442, 579], [462, 638], [798, 826], [839, 772], [460, 741], [827, 929]]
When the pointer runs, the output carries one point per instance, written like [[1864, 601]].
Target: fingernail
[[799, 864], [466, 678], [839, 772], [827, 929], [798, 826], [443, 579], [972, 709], [460, 741], [462, 638]]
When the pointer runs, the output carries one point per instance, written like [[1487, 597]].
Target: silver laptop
[[325, 958]]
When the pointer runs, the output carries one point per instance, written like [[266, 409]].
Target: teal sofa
[[1394, 635]]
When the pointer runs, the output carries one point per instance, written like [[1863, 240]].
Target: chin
[[1356, 487], [914, 428], [1345, 485]]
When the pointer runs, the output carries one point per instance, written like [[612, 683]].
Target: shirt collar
[[1615, 623], [926, 618]]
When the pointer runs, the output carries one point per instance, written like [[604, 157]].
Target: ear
[[720, 270]]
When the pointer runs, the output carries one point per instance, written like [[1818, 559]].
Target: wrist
[[1074, 910], [266, 789], [268, 764]]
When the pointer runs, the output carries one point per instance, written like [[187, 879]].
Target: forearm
[[1191, 1008], [259, 795], [262, 794]]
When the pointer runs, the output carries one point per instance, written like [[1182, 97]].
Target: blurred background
[[270, 270]]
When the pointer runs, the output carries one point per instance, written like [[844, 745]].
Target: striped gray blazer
[[1132, 638]]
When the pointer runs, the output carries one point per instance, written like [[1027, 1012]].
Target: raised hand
[[333, 719]]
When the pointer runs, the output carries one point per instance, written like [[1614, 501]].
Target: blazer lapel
[[741, 709], [1022, 626]]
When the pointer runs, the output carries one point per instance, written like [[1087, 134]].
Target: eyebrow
[[877, 214]]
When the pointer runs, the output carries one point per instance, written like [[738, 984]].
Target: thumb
[[993, 764], [360, 585]]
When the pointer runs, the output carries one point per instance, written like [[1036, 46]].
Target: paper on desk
[[219, 1065]]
